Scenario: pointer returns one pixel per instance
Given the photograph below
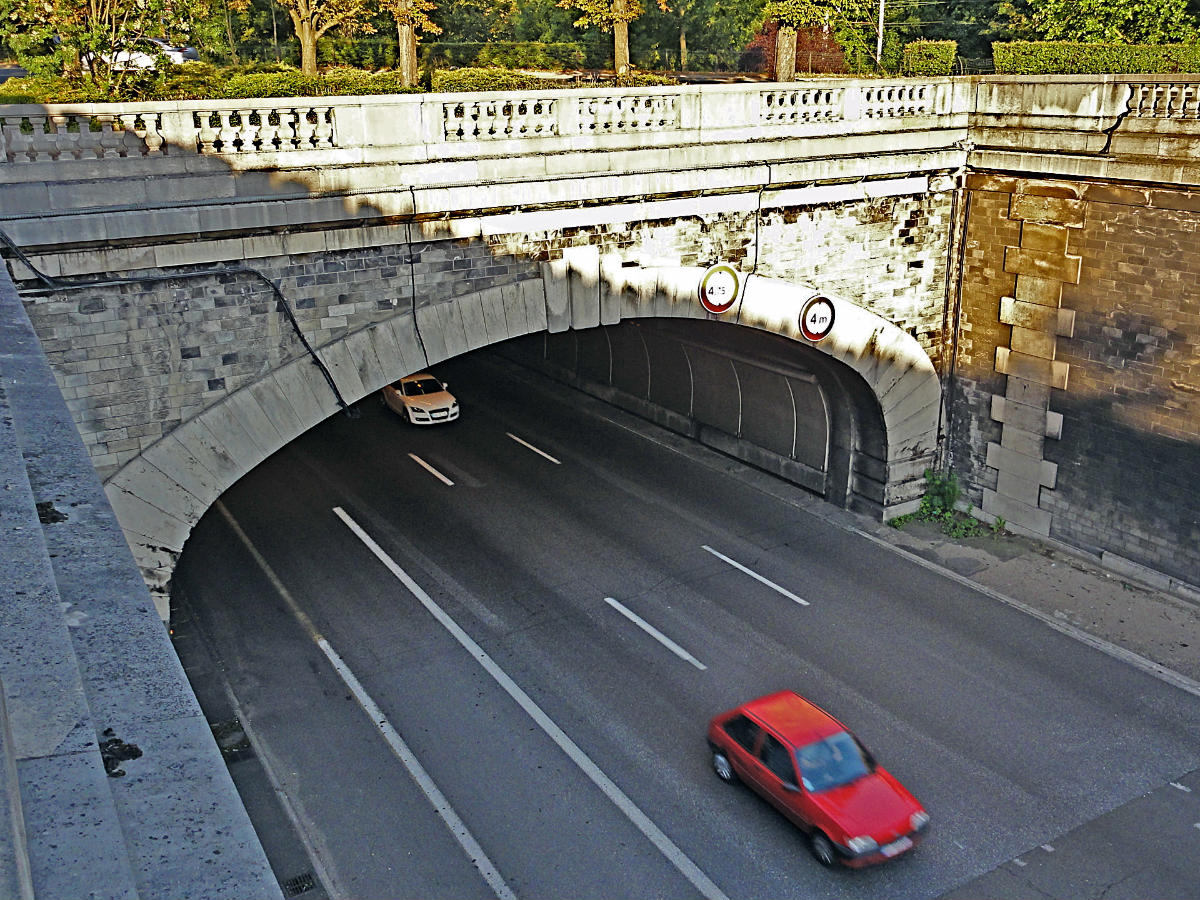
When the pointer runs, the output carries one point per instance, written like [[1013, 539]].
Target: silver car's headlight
[[862, 844], [918, 820]]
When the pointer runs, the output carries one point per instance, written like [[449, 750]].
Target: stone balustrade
[[62, 132]]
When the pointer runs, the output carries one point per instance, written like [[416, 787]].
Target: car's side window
[[775, 756], [744, 731]]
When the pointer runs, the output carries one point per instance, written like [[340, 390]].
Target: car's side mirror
[[791, 788]]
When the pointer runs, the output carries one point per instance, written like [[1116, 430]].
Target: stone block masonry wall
[[888, 254], [137, 359], [1116, 336]]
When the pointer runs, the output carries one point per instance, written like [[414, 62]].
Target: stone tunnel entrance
[[772, 402]]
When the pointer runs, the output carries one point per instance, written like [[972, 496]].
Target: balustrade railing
[[56, 133], [1166, 101], [372, 125], [64, 136]]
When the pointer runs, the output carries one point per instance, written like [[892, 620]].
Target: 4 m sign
[[719, 288], [816, 319]]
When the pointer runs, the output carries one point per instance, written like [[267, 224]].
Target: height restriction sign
[[816, 319], [719, 288]]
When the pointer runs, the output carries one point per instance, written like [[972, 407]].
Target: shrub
[[504, 54], [456, 80], [929, 58], [293, 83], [1065, 58], [643, 79]]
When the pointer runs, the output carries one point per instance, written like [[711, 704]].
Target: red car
[[814, 771]]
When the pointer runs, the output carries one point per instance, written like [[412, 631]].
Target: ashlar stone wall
[[1076, 394]]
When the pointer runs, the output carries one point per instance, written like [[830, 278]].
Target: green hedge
[[460, 80], [335, 82], [1064, 58], [504, 54], [929, 57]]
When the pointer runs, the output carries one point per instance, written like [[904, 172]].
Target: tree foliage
[[311, 19], [851, 21], [1102, 21], [76, 40], [476, 21], [610, 15]]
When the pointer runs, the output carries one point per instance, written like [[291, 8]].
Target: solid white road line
[[430, 469], [530, 446], [435, 797], [755, 575], [654, 633], [665, 845]]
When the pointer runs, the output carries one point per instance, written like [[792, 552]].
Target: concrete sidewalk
[[1070, 591]]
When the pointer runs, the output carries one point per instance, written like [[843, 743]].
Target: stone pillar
[[1042, 265]]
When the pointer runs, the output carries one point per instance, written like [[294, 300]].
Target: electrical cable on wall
[[56, 285], [412, 274]]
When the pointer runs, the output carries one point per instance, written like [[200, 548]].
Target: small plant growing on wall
[[939, 508]]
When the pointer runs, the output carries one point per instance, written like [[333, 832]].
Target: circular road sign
[[816, 319], [719, 288]]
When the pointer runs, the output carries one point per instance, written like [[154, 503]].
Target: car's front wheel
[[822, 848], [723, 768]]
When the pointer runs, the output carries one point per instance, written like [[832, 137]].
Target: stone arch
[[161, 494]]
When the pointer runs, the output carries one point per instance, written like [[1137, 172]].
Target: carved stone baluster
[[226, 131], [323, 132], [268, 129], [107, 141], [151, 134], [207, 135], [485, 120], [305, 128], [1191, 106], [454, 117], [43, 141], [59, 142], [133, 134], [18, 144]]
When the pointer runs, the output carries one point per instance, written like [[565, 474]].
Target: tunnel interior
[[767, 400]]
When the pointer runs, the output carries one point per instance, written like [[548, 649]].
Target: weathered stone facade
[[1080, 336], [136, 359]]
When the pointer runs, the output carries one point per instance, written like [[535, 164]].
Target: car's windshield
[[830, 763], [423, 386]]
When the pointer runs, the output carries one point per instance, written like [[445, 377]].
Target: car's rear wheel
[[822, 848], [723, 768]]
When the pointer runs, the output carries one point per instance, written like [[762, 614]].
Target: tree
[[1102, 21], [313, 18], [476, 21], [850, 21], [411, 16], [610, 15], [722, 27], [77, 40]]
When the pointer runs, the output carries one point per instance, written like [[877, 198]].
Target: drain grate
[[301, 884]]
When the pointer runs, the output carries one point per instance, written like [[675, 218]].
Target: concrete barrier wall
[[85, 661]]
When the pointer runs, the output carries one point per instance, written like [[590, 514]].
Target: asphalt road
[[566, 741]]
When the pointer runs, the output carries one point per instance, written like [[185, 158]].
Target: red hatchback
[[852, 809]]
